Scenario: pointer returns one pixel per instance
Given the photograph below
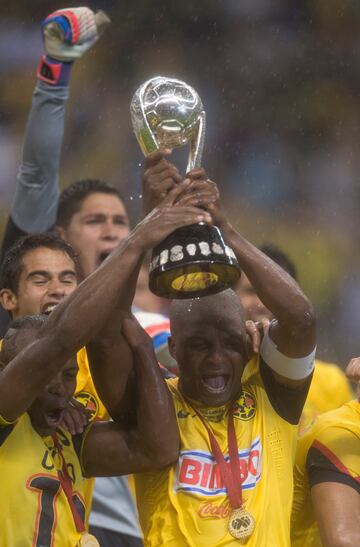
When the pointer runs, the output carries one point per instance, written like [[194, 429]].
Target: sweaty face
[[47, 410], [211, 353], [96, 230], [254, 308], [47, 277]]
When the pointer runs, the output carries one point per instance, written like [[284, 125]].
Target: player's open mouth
[[103, 256], [48, 308], [215, 383], [54, 417]]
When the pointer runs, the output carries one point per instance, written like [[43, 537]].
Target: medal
[[241, 523], [88, 540]]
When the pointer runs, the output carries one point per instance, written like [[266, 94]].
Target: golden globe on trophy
[[193, 261]]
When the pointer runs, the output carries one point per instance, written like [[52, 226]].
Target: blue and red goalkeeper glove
[[68, 34]]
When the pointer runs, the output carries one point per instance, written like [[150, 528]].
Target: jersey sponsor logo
[[245, 408], [90, 403], [198, 472], [211, 510]]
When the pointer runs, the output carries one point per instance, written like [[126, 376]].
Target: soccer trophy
[[193, 261]]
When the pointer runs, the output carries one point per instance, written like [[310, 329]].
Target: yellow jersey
[[85, 391], [34, 510], [187, 504], [328, 451], [329, 389]]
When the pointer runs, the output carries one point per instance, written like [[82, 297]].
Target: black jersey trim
[[321, 469], [288, 402]]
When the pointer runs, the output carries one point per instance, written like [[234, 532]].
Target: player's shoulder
[[335, 427]]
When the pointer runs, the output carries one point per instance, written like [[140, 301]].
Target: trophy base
[[192, 262]]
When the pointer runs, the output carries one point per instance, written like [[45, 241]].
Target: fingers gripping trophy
[[193, 261]]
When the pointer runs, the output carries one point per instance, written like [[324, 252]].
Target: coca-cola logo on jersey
[[198, 472]]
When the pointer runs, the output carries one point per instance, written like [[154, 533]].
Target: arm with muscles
[[288, 347], [337, 510], [67, 35], [153, 441], [78, 318]]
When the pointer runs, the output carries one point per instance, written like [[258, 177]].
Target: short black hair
[[10, 346], [12, 265], [280, 257], [72, 197]]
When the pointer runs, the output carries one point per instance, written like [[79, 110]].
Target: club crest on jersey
[[89, 402], [245, 408], [197, 471]]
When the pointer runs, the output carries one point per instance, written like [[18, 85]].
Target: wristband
[[289, 367], [54, 72]]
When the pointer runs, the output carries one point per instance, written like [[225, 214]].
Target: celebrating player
[[233, 477]]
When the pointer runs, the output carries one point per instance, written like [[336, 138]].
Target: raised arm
[[153, 440], [78, 318], [37, 190]]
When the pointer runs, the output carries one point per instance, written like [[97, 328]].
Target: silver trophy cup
[[195, 260]]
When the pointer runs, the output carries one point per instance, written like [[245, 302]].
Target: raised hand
[[160, 176], [167, 217], [68, 33]]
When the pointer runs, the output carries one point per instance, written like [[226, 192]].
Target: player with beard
[[329, 387], [203, 500], [37, 459]]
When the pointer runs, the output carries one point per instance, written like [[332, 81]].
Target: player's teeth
[[215, 382]]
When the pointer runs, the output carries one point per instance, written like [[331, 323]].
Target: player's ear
[[8, 299], [172, 349]]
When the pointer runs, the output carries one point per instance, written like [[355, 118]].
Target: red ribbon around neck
[[65, 481], [230, 472]]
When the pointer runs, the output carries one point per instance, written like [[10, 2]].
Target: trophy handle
[[197, 144]]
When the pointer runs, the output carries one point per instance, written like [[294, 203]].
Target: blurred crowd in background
[[280, 84]]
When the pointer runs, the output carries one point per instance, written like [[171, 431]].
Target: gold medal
[[241, 523], [88, 540]]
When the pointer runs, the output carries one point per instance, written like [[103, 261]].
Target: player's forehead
[[45, 259], [201, 317], [98, 203]]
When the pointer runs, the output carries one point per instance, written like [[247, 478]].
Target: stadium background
[[280, 83]]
